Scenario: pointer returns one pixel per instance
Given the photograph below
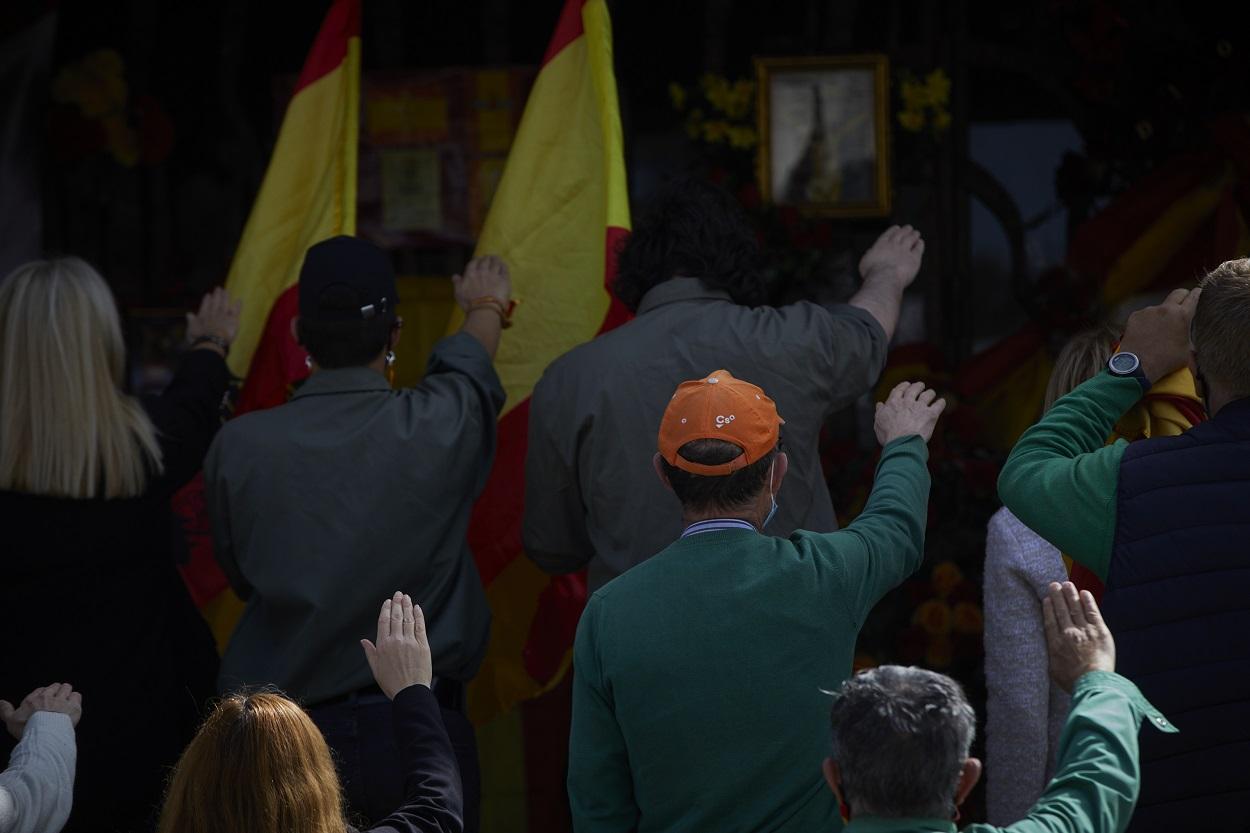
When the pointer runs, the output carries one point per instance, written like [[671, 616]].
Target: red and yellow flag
[[307, 195], [557, 218]]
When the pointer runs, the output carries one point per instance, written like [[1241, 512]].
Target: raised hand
[[58, 697], [1159, 335], [484, 277], [911, 408], [895, 257], [218, 317], [1077, 638], [401, 657]]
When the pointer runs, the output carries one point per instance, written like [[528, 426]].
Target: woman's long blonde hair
[[258, 765], [1082, 358], [66, 428]]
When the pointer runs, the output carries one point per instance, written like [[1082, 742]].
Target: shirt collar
[[716, 525], [679, 289], [878, 824], [342, 380]]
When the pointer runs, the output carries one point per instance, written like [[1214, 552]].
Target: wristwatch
[[1128, 366]]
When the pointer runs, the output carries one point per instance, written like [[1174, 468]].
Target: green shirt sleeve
[[601, 786], [1061, 478], [1098, 778], [885, 543]]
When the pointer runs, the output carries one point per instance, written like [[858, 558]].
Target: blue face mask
[[771, 496]]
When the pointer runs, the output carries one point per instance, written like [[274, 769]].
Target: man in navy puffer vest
[[1166, 524]]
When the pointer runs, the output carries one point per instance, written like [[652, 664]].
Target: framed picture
[[824, 134]]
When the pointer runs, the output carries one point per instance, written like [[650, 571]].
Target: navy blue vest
[[1178, 602]]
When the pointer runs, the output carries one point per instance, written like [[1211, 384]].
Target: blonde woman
[[1025, 711], [86, 473], [259, 763]]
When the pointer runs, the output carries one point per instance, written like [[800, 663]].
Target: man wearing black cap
[[352, 491]]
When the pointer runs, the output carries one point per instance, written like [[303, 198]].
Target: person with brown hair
[[1164, 523], [260, 765], [86, 476]]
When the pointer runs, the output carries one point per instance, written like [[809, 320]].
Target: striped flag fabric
[[308, 194], [557, 219]]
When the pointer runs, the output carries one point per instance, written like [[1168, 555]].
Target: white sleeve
[[37, 790]]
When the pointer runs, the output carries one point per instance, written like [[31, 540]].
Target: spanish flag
[[557, 219], [307, 195]]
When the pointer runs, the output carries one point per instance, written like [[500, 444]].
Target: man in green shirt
[[1165, 522], [699, 675], [901, 738]]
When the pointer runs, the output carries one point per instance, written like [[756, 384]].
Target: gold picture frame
[[824, 131]]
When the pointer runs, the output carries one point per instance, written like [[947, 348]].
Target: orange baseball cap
[[719, 407]]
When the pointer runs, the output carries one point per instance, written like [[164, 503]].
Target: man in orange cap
[[700, 676]]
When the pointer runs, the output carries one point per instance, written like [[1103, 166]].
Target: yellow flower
[[934, 616], [968, 619], [677, 94], [946, 577], [742, 137], [911, 120], [941, 121], [715, 131], [915, 95], [938, 86]]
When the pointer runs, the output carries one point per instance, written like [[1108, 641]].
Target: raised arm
[[37, 789], [1098, 779], [888, 268], [1061, 479], [402, 665], [187, 413], [890, 530], [484, 292]]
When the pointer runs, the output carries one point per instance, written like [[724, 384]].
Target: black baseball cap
[[346, 279]]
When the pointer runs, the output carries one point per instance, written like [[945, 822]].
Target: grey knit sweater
[[1025, 711]]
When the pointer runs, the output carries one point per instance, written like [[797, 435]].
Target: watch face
[[1123, 363]]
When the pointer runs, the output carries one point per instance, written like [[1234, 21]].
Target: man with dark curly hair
[[690, 272]]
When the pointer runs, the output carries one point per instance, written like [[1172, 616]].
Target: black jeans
[[360, 731]]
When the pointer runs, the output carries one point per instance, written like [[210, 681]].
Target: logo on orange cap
[[719, 407]]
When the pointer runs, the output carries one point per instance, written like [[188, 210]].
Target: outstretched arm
[[37, 790], [484, 292], [888, 268], [1061, 479], [402, 665], [1098, 779], [890, 530]]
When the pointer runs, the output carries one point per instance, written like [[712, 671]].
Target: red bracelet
[[491, 302]]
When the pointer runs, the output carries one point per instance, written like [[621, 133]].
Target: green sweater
[[1098, 777], [700, 676], [1061, 478]]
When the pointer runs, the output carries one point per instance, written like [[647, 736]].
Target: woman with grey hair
[[901, 738]]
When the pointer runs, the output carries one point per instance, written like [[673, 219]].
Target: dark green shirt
[[1061, 478], [1098, 777], [701, 676], [323, 507]]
